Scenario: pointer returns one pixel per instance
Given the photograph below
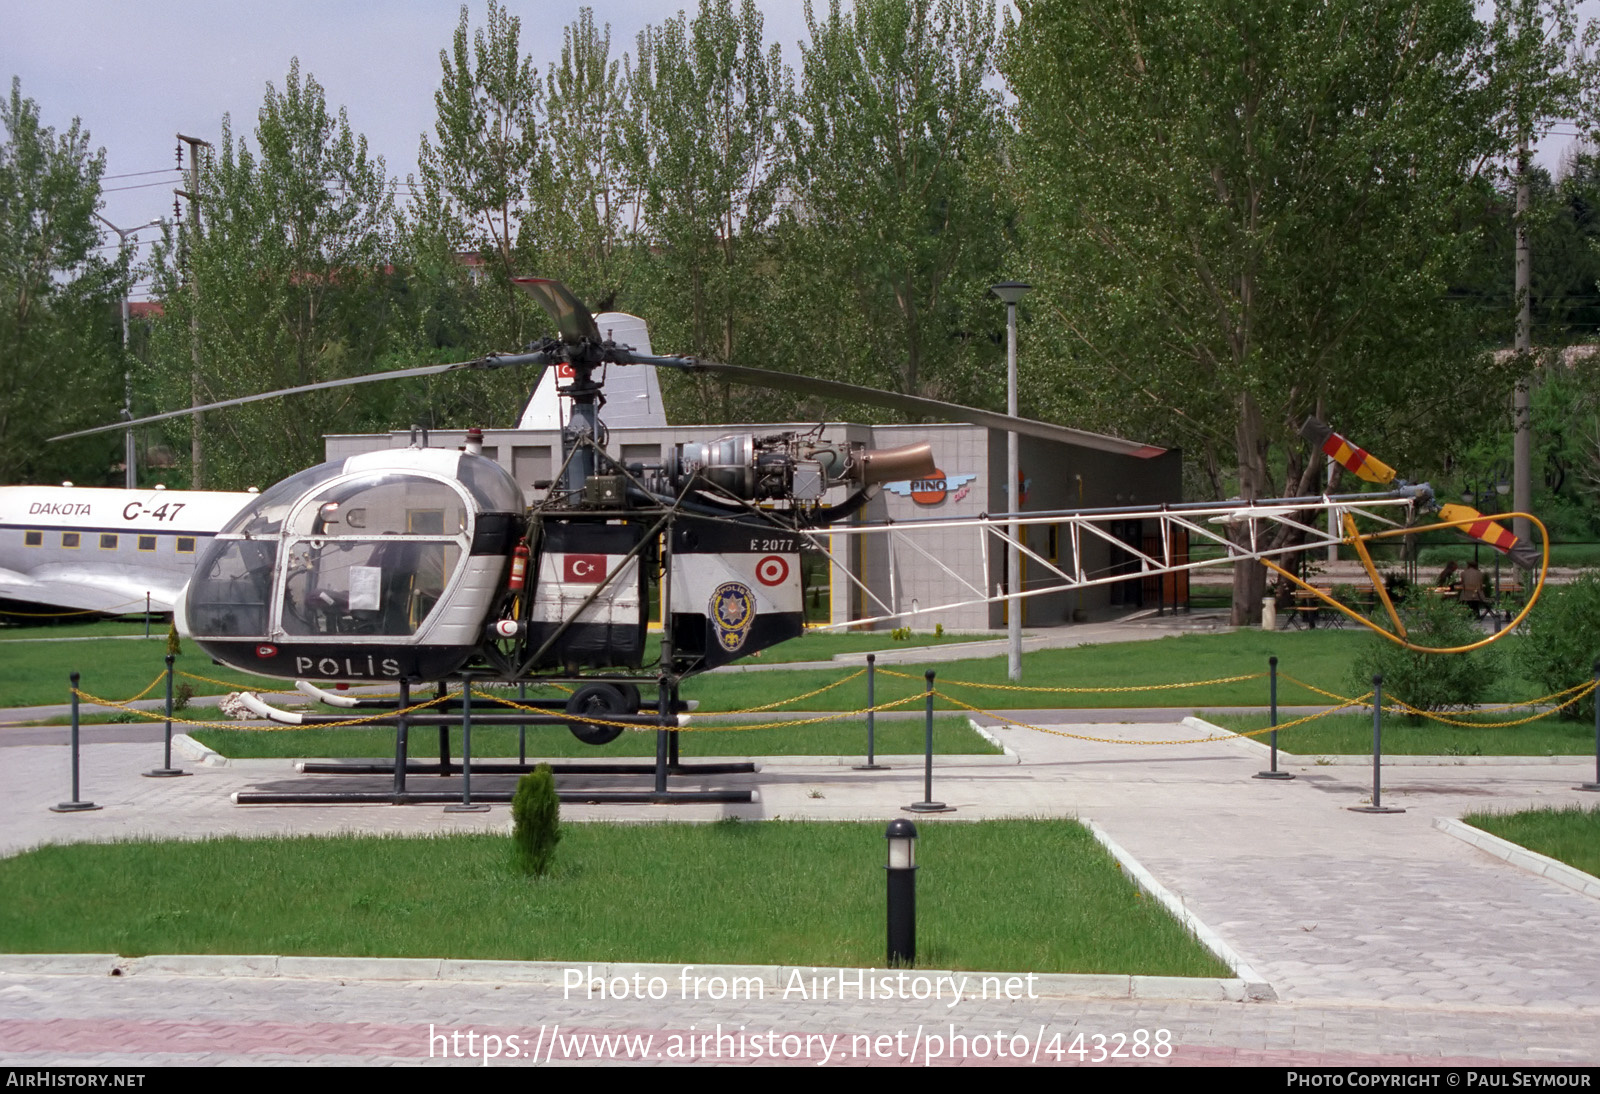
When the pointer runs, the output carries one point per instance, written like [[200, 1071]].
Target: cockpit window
[[231, 588], [385, 503], [265, 515], [385, 586], [490, 485]]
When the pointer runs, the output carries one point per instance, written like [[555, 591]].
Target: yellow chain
[[237, 685], [1124, 741], [1088, 691], [797, 698], [161, 716], [1400, 706], [83, 611], [833, 717], [160, 676]]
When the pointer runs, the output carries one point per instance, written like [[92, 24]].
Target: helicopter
[[426, 564], [423, 563]]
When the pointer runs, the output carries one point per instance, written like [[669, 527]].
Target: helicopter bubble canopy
[[382, 565]]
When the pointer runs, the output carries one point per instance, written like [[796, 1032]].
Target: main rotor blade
[[491, 361], [785, 381], [572, 318]]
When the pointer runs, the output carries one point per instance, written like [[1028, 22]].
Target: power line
[[136, 186], [136, 174]]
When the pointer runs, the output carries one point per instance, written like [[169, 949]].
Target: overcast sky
[[139, 73]]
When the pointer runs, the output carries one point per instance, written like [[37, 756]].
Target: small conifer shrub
[[536, 817]]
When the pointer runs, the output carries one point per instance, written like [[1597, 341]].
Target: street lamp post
[[130, 471], [1011, 292]]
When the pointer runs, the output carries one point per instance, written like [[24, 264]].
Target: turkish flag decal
[[584, 569]]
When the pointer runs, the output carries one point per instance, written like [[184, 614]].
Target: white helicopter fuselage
[[71, 548]]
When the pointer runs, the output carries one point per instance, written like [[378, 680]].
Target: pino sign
[[931, 490]]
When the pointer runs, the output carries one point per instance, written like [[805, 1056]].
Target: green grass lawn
[[824, 645], [1320, 658], [1570, 835], [98, 628], [36, 673], [951, 736], [1035, 896], [1351, 735]]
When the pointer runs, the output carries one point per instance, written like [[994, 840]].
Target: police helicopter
[[425, 564], [421, 564]]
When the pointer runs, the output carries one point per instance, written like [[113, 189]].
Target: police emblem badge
[[732, 610]]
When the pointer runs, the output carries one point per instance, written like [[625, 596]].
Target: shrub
[[536, 816], [182, 696], [1429, 681], [1562, 639]]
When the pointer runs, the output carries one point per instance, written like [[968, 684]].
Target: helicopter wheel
[[599, 700]]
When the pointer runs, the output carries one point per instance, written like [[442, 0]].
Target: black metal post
[[927, 804], [466, 805], [1595, 698], [664, 706], [402, 742], [872, 701], [74, 806], [166, 770], [522, 730], [1377, 805], [902, 893], [444, 739], [1272, 771]]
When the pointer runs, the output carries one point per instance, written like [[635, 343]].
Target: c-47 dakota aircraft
[[78, 549]]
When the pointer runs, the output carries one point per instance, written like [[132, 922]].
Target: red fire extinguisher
[[519, 568]]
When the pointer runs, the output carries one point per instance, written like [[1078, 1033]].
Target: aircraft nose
[[180, 611]]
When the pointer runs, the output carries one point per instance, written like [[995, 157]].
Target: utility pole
[[196, 451], [1521, 411], [1010, 292], [130, 473]]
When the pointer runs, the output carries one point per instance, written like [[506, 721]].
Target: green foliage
[[1429, 681], [174, 643], [281, 283], [699, 147], [182, 696], [60, 357], [536, 813], [1243, 214], [1562, 641], [901, 222]]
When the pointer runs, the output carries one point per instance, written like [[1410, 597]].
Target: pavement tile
[[1385, 939]]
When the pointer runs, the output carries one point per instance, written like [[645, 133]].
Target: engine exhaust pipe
[[909, 461]]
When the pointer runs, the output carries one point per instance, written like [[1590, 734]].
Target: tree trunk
[[1249, 578]]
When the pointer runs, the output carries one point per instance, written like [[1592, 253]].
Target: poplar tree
[[60, 356]]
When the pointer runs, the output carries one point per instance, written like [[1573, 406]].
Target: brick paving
[[1381, 940]]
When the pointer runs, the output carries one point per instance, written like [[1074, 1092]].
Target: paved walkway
[[1367, 939]]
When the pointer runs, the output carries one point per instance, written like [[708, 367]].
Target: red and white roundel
[[266, 651], [772, 570]]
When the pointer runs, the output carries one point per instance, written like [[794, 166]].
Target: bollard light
[[902, 892]]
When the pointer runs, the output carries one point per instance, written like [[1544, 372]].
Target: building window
[[108, 542], [33, 539], [186, 545], [147, 543], [69, 539]]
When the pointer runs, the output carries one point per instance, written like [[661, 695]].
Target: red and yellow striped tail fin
[[1351, 458], [1496, 535]]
